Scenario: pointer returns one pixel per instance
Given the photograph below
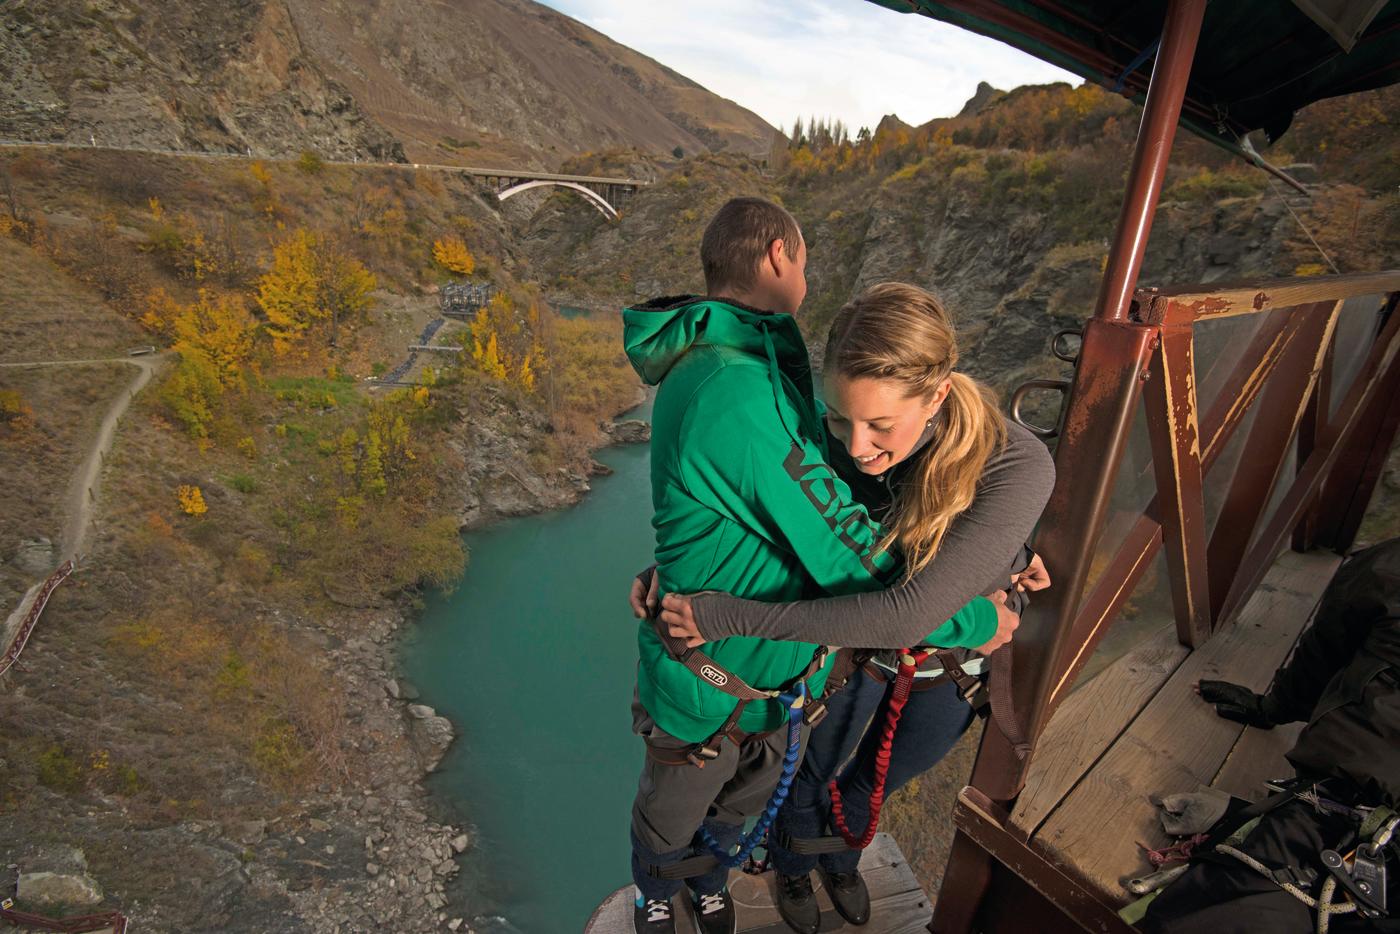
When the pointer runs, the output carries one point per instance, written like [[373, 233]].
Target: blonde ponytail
[[901, 332]]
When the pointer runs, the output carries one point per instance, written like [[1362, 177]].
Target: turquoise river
[[532, 658]]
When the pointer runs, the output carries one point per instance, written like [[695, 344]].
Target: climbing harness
[[970, 686], [759, 833], [1360, 874], [719, 677], [801, 710], [742, 857]]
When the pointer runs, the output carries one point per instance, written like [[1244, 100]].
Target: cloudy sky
[[846, 59]]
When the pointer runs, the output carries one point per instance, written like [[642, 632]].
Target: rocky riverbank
[[367, 850]]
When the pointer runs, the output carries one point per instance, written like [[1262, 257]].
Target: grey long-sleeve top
[[973, 559]]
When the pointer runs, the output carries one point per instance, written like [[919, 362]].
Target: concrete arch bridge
[[607, 195]]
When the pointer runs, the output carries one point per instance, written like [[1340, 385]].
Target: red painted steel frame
[[1103, 397]]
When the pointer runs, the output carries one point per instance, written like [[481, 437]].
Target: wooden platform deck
[[898, 904], [1138, 730]]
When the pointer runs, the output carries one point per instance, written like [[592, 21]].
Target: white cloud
[[847, 59]]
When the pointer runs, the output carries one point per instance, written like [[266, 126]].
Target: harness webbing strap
[[708, 670], [909, 662], [1000, 687]]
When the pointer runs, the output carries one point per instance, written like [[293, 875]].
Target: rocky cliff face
[[165, 75], [495, 82]]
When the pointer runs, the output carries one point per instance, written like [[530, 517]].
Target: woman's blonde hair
[[901, 332]]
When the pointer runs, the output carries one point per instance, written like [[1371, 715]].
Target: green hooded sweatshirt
[[744, 500]]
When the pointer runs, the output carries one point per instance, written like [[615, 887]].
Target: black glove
[[1237, 702]]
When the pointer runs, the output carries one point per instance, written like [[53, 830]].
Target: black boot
[[849, 895], [714, 912], [797, 903], [654, 916]]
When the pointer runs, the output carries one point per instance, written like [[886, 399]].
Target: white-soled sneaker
[[653, 916], [714, 912]]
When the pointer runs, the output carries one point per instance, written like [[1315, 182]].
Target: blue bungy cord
[[759, 833]]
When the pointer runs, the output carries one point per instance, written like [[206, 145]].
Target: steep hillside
[[166, 75], [205, 727], [503, 81], [494, 82], [1006, 211]]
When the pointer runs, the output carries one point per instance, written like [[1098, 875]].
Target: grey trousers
[[674, 800]]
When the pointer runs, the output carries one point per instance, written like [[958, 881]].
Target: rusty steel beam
[[1315, 416], [1365, 392], [1170, 396], [1280, 410], [1160, 113], [966, 876], [1348, 489], [1116, 584], [1359, 469], [1247, 298], [1098, 418], [983, 823]]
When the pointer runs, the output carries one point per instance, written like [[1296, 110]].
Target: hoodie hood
[[658, 333]]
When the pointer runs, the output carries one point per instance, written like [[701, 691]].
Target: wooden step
[[897, 904]]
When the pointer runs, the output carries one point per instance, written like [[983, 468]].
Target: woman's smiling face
[[875, 420]]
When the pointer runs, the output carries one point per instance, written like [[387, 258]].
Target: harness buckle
[[699, 755], [815, 713]]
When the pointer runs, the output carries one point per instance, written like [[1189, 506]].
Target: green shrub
[[58, 771], [310, 163]]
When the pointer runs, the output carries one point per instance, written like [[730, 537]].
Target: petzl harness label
[[716, 677]]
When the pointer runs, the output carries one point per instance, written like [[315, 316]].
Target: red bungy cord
[[909, 662]]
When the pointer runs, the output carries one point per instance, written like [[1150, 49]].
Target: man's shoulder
[[717, 375]]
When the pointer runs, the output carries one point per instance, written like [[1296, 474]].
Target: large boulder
[[57, 888]]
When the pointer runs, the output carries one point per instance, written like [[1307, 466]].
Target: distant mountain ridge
[[491, 82]]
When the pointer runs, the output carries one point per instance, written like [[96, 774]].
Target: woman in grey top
[[958, 491]]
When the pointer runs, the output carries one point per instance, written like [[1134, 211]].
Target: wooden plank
[[1178, 743], [1255, 759], [1222, 301], [1088, 722], [898, 905]]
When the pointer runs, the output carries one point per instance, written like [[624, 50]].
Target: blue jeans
[[931, 723]]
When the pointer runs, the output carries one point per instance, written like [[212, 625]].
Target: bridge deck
[[542, 176], [898, 904]]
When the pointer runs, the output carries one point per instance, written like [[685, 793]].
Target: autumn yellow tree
[[214, 338], [451, 253], [311, 280]]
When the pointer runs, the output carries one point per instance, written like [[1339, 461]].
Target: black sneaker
[[849, 895], [653, 916], [797, 903], [714, 912]]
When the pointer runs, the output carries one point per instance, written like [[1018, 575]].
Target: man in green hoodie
[[745, 503]]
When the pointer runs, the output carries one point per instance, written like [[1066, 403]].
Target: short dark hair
[[738, 238]]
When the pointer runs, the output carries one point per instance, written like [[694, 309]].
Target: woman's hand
[[1033, 578], [643, 597], [1007, 621], [679, 619]]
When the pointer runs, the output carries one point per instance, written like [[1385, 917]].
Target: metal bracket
[[1019, 396], [1060, 344]]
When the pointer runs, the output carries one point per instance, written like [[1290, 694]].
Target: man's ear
[[777, 257]]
